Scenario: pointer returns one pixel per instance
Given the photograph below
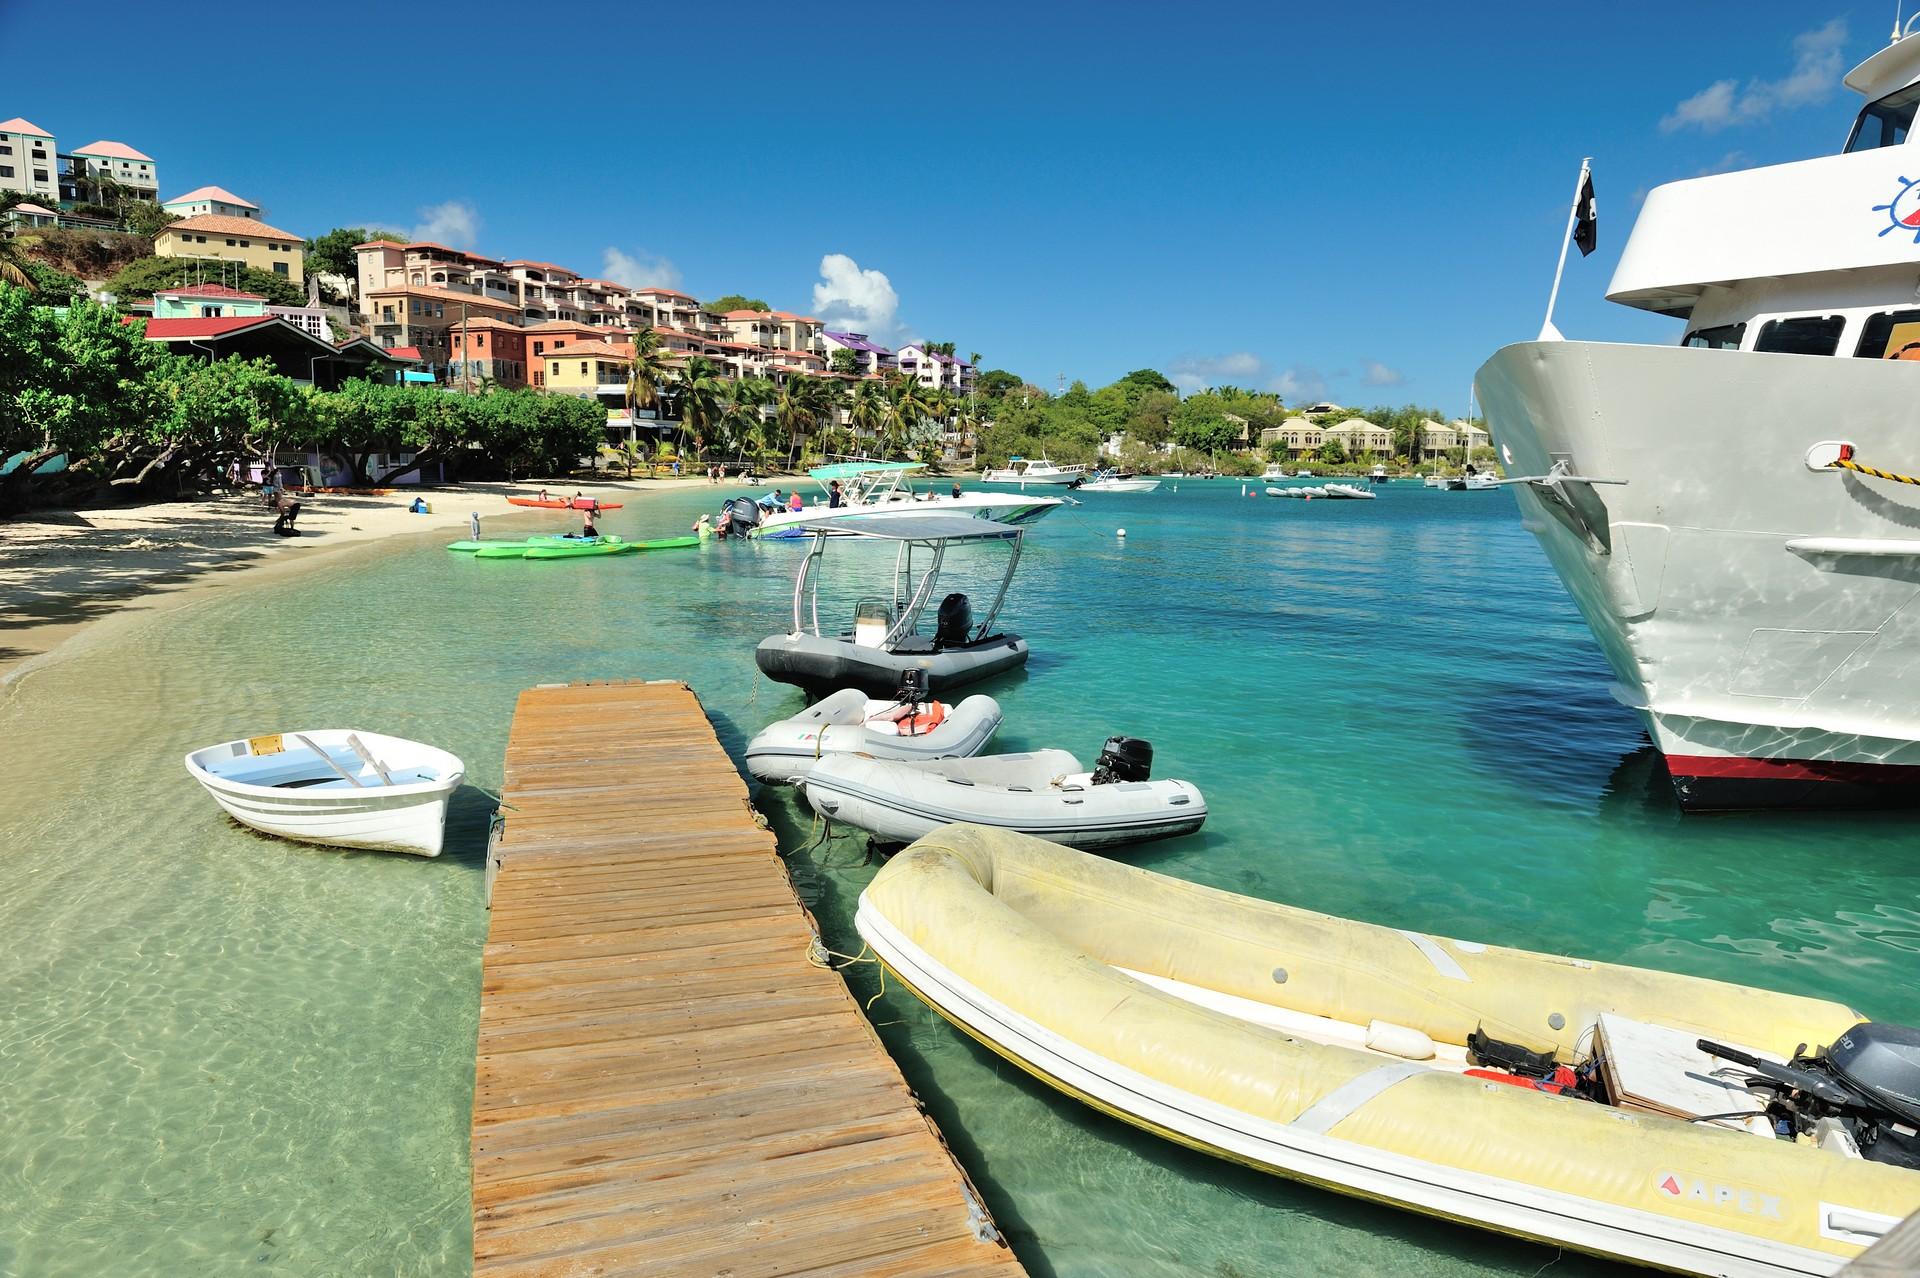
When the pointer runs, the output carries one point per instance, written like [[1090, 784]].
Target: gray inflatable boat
[[1046, 793], [885, 641], [850, 721]]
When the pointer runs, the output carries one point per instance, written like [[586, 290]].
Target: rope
[[819, 955], [1845, 461]]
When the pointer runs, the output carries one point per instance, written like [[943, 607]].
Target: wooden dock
[[665, 1084]]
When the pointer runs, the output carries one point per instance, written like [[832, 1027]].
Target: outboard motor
[[1868, 1081], [955, 624], [913, 687], [744, 514], [1123, 759]]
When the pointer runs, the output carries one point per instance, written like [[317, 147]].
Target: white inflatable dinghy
[[1045, 792], [850, 721]]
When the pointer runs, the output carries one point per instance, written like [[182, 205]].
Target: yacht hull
[[1001, 508], [1761, 615]]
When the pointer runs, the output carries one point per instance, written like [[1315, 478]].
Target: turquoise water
[[223, 1054]]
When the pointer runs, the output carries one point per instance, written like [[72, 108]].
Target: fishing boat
[[879, 488], [1042, 792], [1727, 511], [905, 726], [885, 640], [566, 503], [1041, 471], [1661, 1119], [341, 787]]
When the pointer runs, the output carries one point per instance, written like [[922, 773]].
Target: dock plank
[[663, 1083]]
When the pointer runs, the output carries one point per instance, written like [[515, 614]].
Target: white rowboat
[[337, 786]]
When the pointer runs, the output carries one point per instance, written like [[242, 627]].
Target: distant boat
[[1350, 492], [1273, 472], [1108, 481], [341, 787], [1378, 475]]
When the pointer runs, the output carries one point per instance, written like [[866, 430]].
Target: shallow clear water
[[220, 1053]]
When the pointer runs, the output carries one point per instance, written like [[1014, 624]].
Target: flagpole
[[1548, 333]]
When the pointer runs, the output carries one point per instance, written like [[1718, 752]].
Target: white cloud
[[1299, 385], [454, 222], [638, 270], [1197, 372], [1724, 103], [848, 297], [1378, 374]]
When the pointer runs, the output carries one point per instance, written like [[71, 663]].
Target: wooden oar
[[328, 760], [366, 757]]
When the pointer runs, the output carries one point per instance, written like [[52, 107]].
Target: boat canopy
[[913, 528], [848, 470]]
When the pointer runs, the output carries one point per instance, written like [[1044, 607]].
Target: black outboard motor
[[1123, 759], [742, 515], [1869, 1079], [913, 688], [955, 624]]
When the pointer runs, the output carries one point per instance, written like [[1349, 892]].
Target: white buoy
[[1121, 533]]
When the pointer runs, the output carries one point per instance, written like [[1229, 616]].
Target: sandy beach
[[60, 570]]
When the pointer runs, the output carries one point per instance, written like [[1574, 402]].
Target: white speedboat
[[1378, 475], [1713, 506], [881, 488], [1480, 481], [1605, 1109], [336, 786], [1042, 471], [1045, 792], [1109, 481], [1274, 473], [1435, 480], [901, 727], [1303, 474]]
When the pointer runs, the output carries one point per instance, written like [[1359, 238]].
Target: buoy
[[1121, 533]]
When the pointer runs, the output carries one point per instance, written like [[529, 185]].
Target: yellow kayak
[[1337, 1052]]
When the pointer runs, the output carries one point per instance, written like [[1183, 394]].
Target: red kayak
[[577, 503]]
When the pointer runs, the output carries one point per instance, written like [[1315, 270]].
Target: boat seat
[[1659, 1070], [871, 621]]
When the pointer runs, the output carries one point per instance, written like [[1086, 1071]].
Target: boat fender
[[1399, 1040]]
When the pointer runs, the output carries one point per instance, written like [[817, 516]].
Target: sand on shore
[[60, 570]]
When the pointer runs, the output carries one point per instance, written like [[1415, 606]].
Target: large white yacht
[[1759, 604]]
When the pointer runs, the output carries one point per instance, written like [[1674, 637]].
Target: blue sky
[[1360, 201]]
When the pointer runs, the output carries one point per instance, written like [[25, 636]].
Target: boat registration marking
[[266, 745], [1443, 962]]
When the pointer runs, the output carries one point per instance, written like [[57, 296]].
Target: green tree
[[628, 452], [14, 264], [996, 382], [332, 253], [145, 217], [697, 390], [1200, 423], [647, 375], [139, 279], [868, 410], [53, 287], [803, 405], [1149, 421], [734, 302], [844, 361], [1332, 453]]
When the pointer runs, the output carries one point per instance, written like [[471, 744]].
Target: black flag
[[1586, 226]]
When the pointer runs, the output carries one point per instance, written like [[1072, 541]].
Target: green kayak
[[579, 548], [666, 543], [501, 547]]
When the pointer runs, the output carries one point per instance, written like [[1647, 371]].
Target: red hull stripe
[[1712, 766]]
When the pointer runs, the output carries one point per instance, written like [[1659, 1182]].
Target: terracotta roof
[[448, 248], [221, 224], [112, 150], [559, 326], [18, 125], [592, 348], [405, 352], [545, 266], [488, 323], [209, 290], [392, 244], [750, 314], [219, 193], [446, 295], [663, 292], [34, 208]]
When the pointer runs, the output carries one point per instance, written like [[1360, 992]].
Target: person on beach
[[287, 510], [473, 524], [835, 498]]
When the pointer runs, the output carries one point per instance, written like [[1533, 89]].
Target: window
[[6, 170], [279, 268], [386, 313], [556, 368], [6, 148], [229, 243], [243, 243], [1724, 338], [1886, 334], [1884, 123], [583, 368], [1803, 335], [39, 175]]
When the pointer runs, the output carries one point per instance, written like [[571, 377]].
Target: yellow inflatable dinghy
[[1334, 1052]]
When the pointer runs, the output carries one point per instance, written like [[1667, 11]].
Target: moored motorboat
[[885, 642], [1348, 492], [1571, 1102], [337, 786], [1043, 792], [1112, 481], [906, 726], [870, 488]]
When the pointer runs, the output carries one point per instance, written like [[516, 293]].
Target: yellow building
[[588, 368], [233, 239]]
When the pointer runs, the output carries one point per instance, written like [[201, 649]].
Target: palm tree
[[744, 425], [13, 264], [698, 388], [629, 452], [647, 375], [804, 401], [941, 407], [868, 409], [902, 409]]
